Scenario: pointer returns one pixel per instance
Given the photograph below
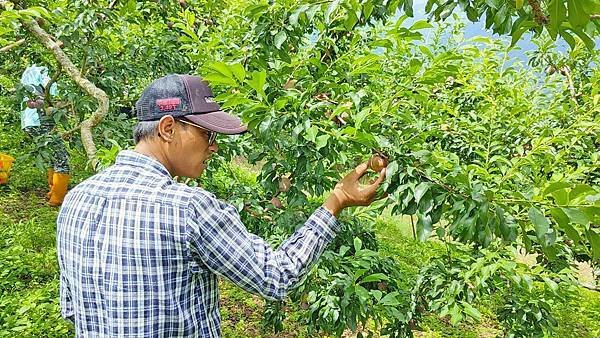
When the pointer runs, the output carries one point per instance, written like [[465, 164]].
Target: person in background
[[37, 122]]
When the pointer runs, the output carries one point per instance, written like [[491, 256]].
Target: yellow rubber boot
[[60, 184], [50, 182]]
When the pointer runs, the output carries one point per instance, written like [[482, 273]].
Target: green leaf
[[594, 239], [558, 13], [563, 223], [551, 284], [471, 311], [576, 216], [351, 20], [519, 4], [561, 196], [556, 186], [311, 133], [217, 78], [357, 244], [376, 277], [279, 39], [238, 71], [390, 299], [455, 315], [222, 68], [294, 16], [321, 141], [577, 15], [332, 7], [420, 190], [359, 273], [568, 38], [540, 222], [589, 43], [580, 189], [257, 82], [519, 29], [421, 24]]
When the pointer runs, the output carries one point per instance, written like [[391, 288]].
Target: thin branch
[[566, 71], [595, 17], [47, 98], [12, 45], [412, 223]]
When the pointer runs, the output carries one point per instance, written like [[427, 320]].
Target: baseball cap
[[189, 96]]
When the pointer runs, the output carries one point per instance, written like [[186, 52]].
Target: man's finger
[[371, 189], [360, 170]]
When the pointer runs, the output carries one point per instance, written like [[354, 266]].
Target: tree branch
[[11, 46], [595, 17]]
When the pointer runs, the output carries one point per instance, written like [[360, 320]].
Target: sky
[[473, 29]]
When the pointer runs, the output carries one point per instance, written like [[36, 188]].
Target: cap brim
[[219, 121]]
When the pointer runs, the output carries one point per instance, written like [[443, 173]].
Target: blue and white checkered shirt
[[139, 254]]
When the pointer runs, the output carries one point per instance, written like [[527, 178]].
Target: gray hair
[[145, 130]]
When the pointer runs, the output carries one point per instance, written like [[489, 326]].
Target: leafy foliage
[[483, 151]]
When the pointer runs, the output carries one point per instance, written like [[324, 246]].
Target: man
[[38, 124], [139, 253]]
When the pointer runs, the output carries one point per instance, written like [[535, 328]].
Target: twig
[[47, 98], [566, 71], [412, 222], [11, 46]]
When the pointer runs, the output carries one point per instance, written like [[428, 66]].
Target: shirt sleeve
[[221, 241]]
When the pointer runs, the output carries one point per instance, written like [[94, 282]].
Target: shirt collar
[[133, 158]]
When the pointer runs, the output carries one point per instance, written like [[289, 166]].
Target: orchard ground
[[29, 272]]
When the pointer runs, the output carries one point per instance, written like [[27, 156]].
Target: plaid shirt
[[139, 254]]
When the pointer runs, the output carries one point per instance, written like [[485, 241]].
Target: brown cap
[[189, 96]]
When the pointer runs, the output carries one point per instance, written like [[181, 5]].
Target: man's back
[[123, 250]]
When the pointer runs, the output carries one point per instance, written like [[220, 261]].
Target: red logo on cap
[[168, 104]]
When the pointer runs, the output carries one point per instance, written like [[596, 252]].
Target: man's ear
[[166, 128]]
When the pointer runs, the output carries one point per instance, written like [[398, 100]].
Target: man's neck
[[154, 151]]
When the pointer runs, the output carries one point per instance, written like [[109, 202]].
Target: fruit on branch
[[39, 103], [276, 203], [289, 84], [377, 162], [284, 184], [31, 104], [170, 24], [182, 3]]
